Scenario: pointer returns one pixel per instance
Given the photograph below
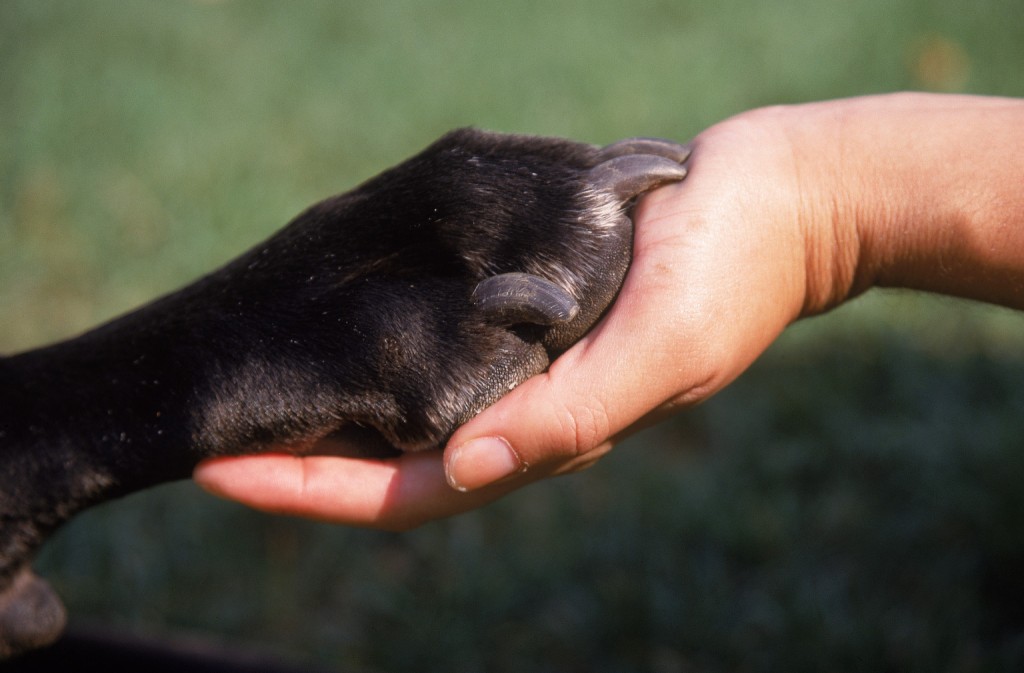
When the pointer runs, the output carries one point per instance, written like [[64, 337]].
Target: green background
[[854, 503]]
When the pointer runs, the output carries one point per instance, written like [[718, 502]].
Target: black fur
[[359, 313]]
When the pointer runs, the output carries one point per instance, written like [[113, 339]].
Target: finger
[[393, 494]]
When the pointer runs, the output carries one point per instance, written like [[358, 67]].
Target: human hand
[[786, 213], [716, 276]]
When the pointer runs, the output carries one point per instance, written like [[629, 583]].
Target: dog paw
[[414, 301], [399, 310]]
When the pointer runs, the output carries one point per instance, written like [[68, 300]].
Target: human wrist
[[827, 194], [805, 197], [929, 187]]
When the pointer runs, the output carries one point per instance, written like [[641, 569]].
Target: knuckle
[[586, 426]]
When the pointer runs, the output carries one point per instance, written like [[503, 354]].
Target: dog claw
[[629, 175], [656, 146], [516, 298]]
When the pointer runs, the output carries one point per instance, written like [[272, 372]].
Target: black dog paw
[[405, 306], [399, 309], [416, 300]]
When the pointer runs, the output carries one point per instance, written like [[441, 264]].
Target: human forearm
[[926, 190]]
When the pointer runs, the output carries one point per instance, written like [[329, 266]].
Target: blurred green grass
[[852, 503]]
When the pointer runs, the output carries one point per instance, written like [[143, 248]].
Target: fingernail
[[482, 461]]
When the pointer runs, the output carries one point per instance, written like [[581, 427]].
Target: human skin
[[786, 213]]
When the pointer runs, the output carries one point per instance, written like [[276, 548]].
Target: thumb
[[532, 429], [566, 418]]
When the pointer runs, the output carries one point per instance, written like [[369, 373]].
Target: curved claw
[[656, 146], [630, 175], [516, 298]]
